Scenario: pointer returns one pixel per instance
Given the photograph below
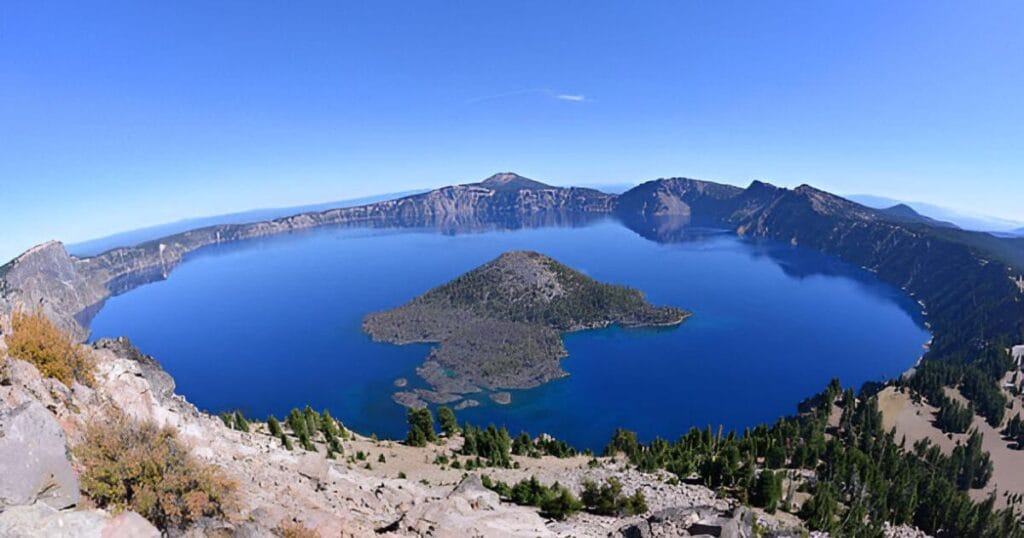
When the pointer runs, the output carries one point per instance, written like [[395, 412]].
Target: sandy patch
[[914, 421]]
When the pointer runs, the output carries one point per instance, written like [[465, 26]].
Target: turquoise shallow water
[[271, 324]]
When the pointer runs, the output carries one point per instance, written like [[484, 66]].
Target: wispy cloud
[[576, 98], [572, 97]]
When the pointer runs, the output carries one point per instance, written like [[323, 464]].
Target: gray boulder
[[30, 521], [473, 491], [34, 464], [721, 527], [160, 381], [636, 529], [130, 524]]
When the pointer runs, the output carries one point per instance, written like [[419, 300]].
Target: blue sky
[[116, 115]]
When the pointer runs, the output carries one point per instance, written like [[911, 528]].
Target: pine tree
[[636, 504], [274, 426], [767, 491], [328, 425], [522, 444], [241, 424], [469, 447], [446, 418], [312, 422], [421, 427]]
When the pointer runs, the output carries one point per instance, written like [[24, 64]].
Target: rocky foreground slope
[[279, 491]]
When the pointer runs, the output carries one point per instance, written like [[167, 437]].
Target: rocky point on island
[[499, 326]]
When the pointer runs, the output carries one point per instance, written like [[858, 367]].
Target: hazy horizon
[[130, 116]]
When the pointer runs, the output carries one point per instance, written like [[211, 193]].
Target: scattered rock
[[160, 382], [720, 527], [30, 521], [130, 524], [470, 510], [638, 529], [436, 397], [401, 382], [501, 398], [33, 459], [313, 466], [466, 404], [408, 399]]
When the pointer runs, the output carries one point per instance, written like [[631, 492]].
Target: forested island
[[499, 326]]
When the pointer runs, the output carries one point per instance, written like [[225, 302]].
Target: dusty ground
[[915, 422]]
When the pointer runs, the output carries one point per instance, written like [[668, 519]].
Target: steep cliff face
[[680, 198], [48, 278], [68, 289], [960, 277], [943, 267]]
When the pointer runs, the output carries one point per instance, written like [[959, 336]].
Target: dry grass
[[35, 339], [292, 529], [138, 466]]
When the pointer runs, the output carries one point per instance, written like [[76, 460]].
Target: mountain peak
[[511, 181], [902, 210]]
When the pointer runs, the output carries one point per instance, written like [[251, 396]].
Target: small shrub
[[635, 504], [274, 426], [140, 467], [35, 339], [240, 423], [294, 529]]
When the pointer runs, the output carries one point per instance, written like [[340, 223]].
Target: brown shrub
[[293, 529], [137, 466], [34, 338]]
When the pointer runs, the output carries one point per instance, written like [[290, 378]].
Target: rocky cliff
[[69, 289], [964, 279]]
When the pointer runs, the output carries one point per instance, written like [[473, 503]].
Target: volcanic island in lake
[[499, 326]]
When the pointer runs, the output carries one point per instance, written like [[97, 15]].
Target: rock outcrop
[[70, 289], [943, 267], [35, 520], [470, 510], [33, 459], [960, 276]]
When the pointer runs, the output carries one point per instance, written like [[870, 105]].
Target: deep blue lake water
[[271, 324]]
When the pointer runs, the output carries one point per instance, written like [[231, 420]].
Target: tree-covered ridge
[[859, 476], [499, 325], [529, 287]]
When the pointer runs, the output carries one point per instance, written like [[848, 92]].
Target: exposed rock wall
[[944, 268], [70, 289]]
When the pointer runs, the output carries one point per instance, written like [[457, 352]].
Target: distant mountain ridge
[[978, 223], [963, 278], [907, 213], [134, 237]]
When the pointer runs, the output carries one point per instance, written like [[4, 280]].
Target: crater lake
[[266, 325]]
